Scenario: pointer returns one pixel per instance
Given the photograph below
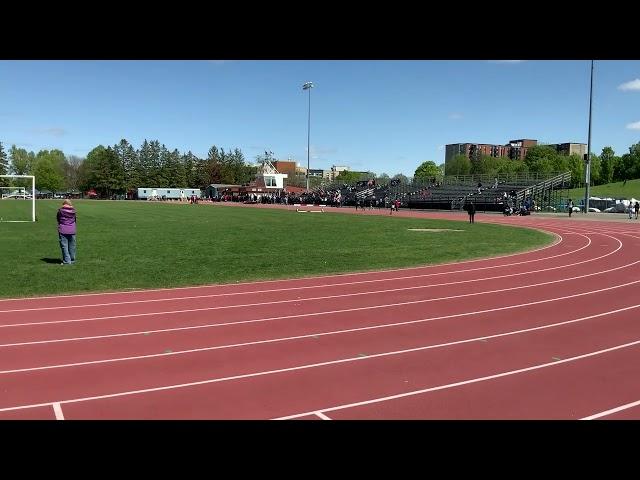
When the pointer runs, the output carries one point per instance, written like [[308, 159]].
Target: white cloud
[[455, 116], [506, 61], [55, 131], [632, 85], [634, 126]]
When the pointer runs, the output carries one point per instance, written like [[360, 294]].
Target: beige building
[[572, 148]]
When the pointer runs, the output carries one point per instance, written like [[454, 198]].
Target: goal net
[[17, 198]]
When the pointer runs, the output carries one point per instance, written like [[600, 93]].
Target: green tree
[[576, 166], [427, 170], [49, 170], [72, 175], [145, 167], [104, 171], [508, 166], [22, 162], [348, 177], [607, 162], [244, 173], [627, 167], [634, 163], [154, 165], [175, 170], [383, 179], [214, 166], [164, 179], [458, 165], [200, 176], [542, 159], [128, 157], [487, 165], [596, 169], [403, 178], [192, 171], [4, 161]]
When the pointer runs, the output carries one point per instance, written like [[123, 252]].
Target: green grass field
[[125, 245], [613, 190], [15, 209]]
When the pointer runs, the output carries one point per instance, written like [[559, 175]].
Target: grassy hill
[[613, 190]]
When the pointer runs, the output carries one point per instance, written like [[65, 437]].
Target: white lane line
[[288, 289], [322, 415], [611, 411], [557, 241], [459, 384], [334, 362], [330, 312], [360, 329], [57, 409], [321, 364], [328, 297]]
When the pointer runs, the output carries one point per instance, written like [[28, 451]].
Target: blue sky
[[382, 116]]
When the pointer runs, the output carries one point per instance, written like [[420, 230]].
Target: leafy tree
[[213, 166], [596, 170], [164, 178], [348, 177], [49, 170], [542, 159], [154, 164], [458, 165], [21, 161], [144, 167], [486, 165], [383, 179], [403, 178], [128, 157], [104, 171], [189, 163], [576, 166], [4, 161], [426, 171], [607, 163], [175, 169], [508, 166], [72, 173]]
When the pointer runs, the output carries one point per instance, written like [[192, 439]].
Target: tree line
[[605, 168], [122, 168]]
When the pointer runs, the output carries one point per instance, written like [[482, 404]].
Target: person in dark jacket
[[471, 209], [67, 232]]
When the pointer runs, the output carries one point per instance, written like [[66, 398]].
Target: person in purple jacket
[[67, 232]]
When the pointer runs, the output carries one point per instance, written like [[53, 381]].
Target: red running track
[[548, 334]]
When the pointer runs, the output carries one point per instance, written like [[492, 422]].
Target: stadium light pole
[[308, 86], [588, 158]]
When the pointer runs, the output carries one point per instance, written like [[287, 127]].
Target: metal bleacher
[[454, 191]]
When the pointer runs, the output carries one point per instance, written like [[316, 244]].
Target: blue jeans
[[68, 247]]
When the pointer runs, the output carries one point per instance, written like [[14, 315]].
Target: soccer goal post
[[17, 190]]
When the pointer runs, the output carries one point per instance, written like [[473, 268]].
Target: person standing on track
[[570, 207]]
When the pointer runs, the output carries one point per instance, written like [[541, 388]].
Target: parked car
[[27, 196]]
